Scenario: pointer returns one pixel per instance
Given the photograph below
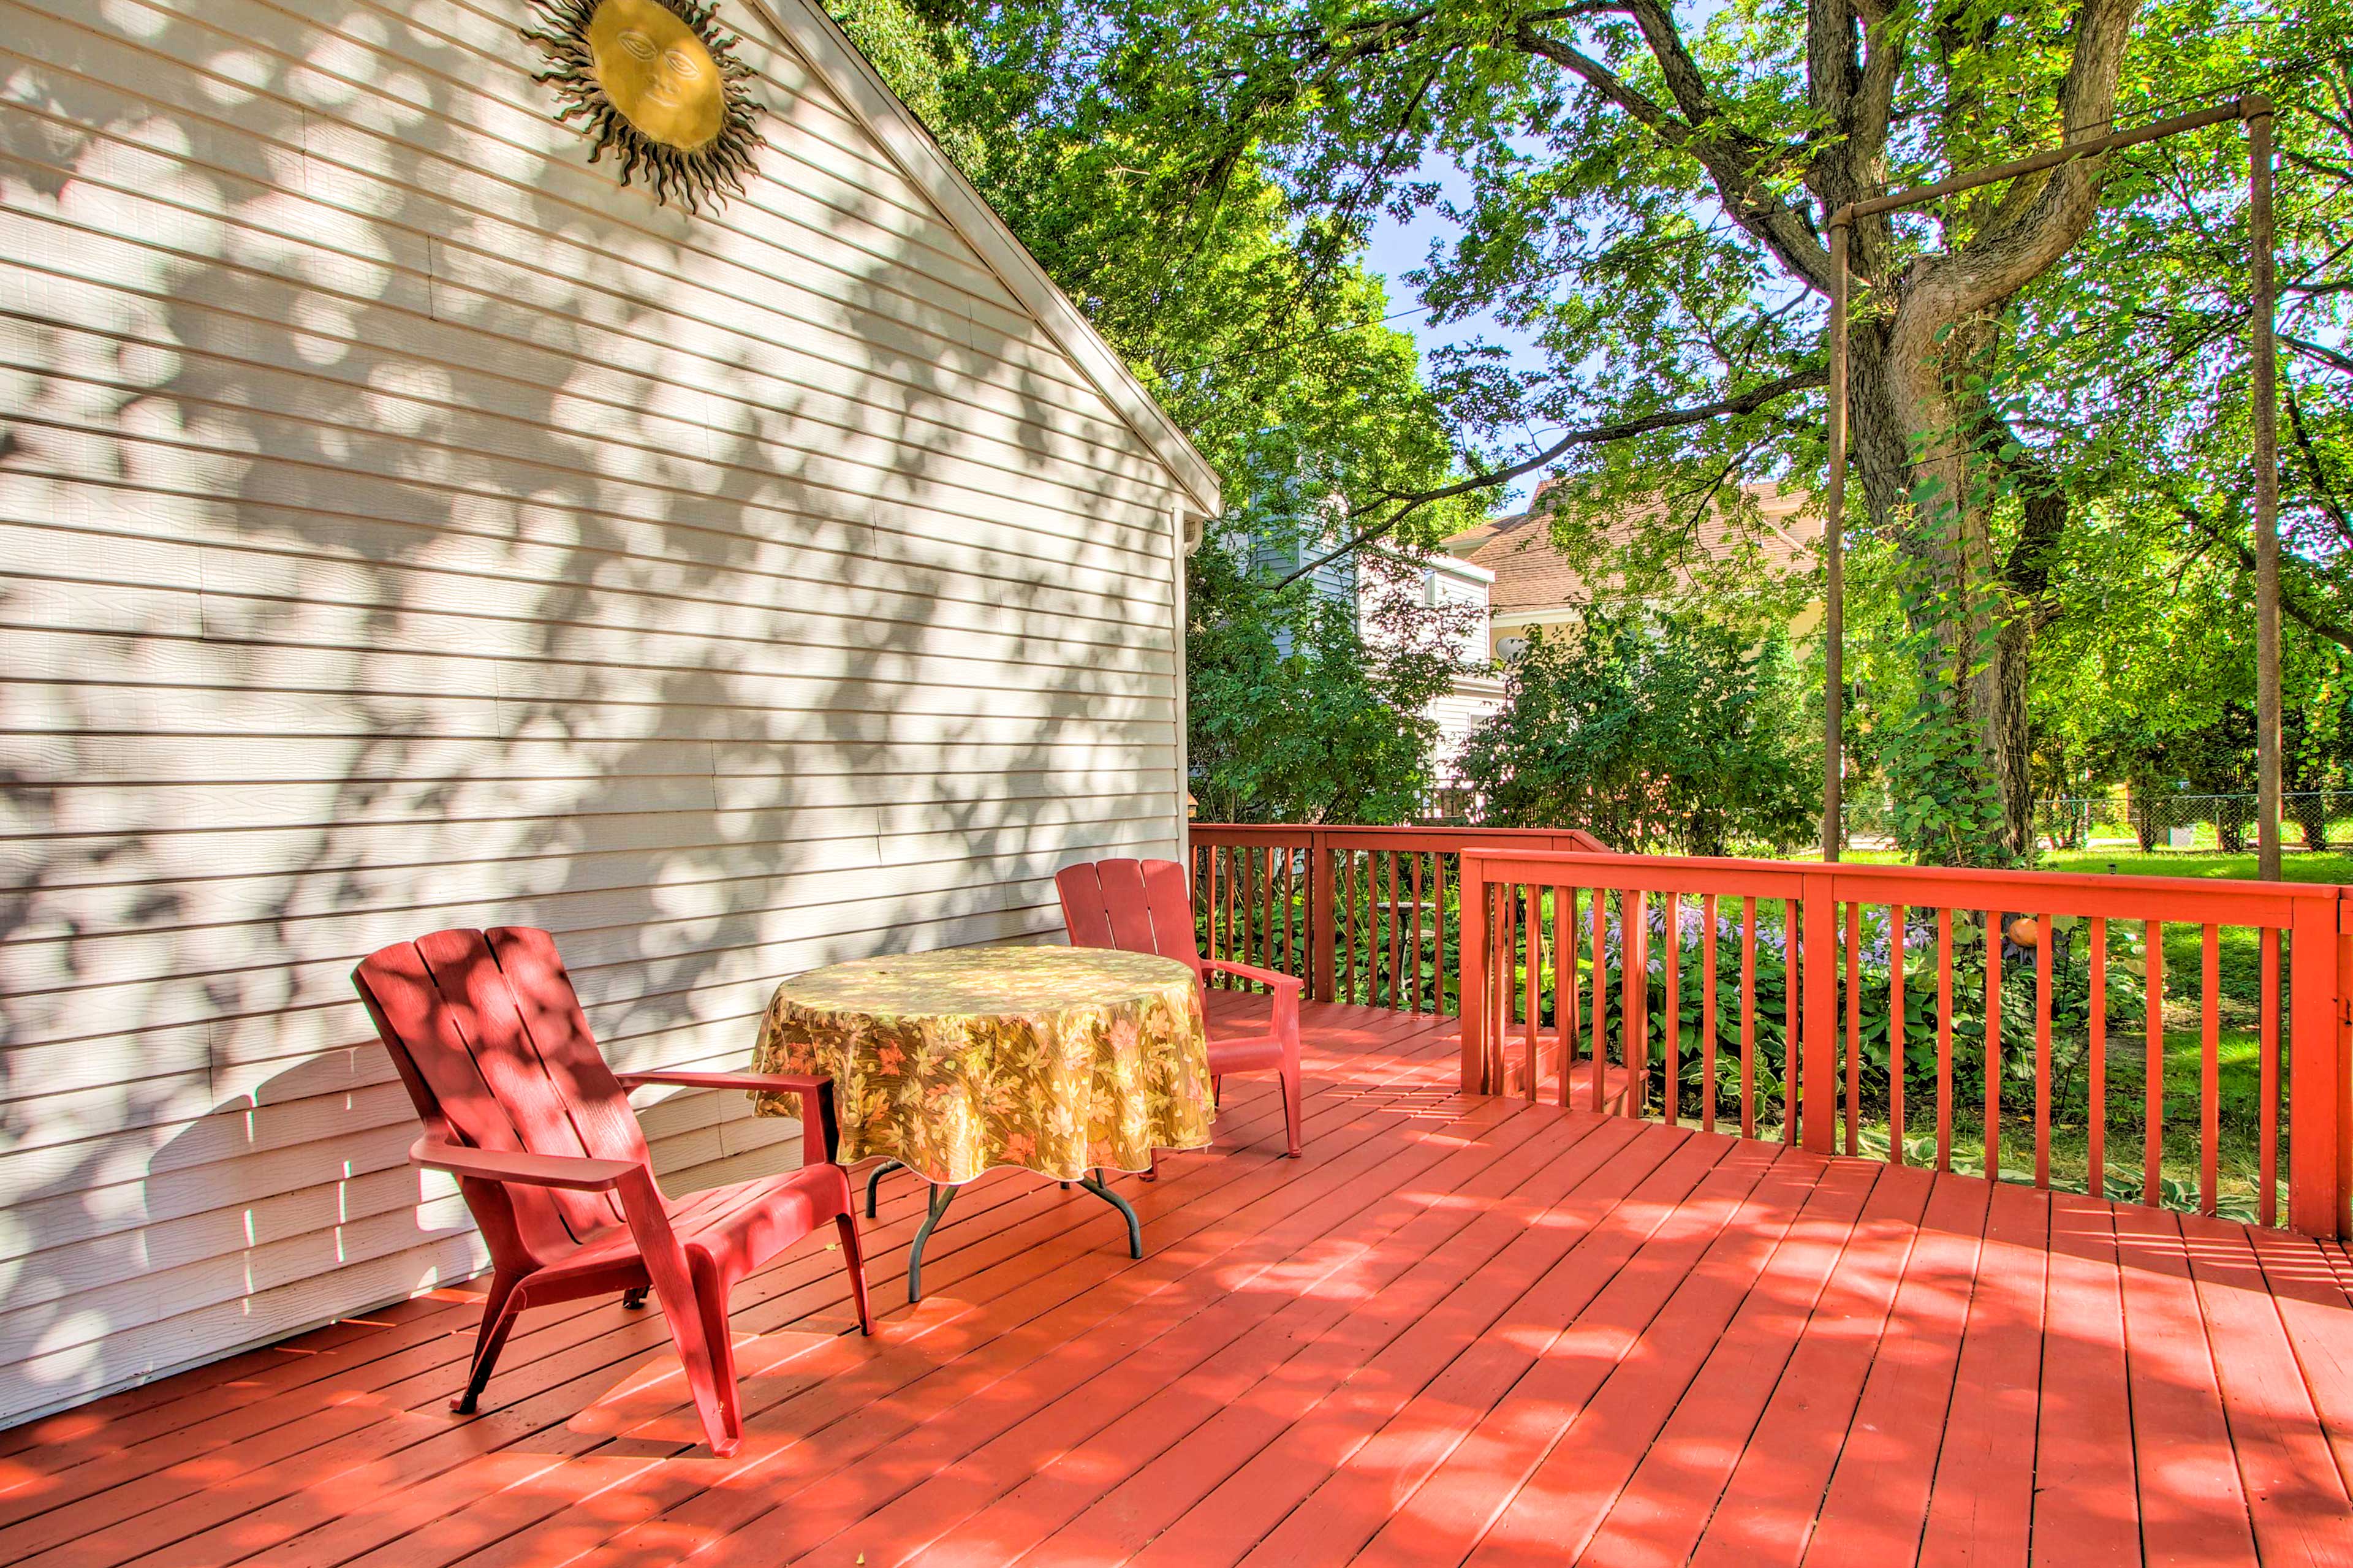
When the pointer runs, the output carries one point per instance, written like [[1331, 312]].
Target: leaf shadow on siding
[[441, 536]]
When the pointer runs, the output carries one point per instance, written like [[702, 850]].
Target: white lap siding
[[404, 526]]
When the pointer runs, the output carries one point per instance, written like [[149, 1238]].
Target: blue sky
[[1396, 249]]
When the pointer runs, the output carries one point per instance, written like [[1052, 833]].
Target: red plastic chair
[[519, 1105], [1146, 906]]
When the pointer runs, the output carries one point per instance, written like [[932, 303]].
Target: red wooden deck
[[1460, 1330]]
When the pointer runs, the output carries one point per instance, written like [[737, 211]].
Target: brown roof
[[1530, 573]]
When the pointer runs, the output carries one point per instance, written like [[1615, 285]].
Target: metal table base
[[941, 1197]]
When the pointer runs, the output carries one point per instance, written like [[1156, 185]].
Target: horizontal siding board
[[184, 466], [835, 841], [984, 826], [59, 535], [244, 975], [549, 469], [734, 411], [404, 527]]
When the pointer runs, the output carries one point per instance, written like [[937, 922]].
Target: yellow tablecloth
[[1056, 1059]]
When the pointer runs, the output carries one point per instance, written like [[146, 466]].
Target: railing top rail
[[2182, 899], [1410, 836]]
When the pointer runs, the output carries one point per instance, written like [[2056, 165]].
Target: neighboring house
[[1463, 586], [1442, 583], [407, 525], [1536, 586]]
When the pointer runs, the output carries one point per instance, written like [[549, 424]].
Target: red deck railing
[[1909, 1014], [1362, 915]]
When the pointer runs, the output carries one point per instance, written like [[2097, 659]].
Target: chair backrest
[[487, 1036], [1138, 906]]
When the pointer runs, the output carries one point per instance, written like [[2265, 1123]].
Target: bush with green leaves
[[1297, 714], [1671, 732]]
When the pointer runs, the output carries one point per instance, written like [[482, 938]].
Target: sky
[[1397, 248]]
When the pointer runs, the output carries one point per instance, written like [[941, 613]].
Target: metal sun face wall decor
[[656, 81]]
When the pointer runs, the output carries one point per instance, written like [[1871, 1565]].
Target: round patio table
[[1060, 1060]]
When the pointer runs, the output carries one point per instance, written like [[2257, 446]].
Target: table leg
[[1094, 1184], [939, 1206], [874, 1183]]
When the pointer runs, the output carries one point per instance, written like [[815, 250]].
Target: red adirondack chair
[[1146, 906], [518, 1104]]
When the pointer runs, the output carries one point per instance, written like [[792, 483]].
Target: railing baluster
[[1414, 988], [1266, 958], [1237, 867], [1671, 1088], [1707, 1014], [2046, 935], [1945, 1039], [1993, 940], [1396, 945], [1634, 1004], [2210, 1073], [2152, 1137], [1535, 895], [2267, 1050], [1347, 924], [1748, 1018], [1897, 1062], [1290, 888], [1564, 987], [1854, 1023], [1500, 1005], [1508, 953], [1793, 970], [1437, 915], [1598, 1088], [2096, 1073]]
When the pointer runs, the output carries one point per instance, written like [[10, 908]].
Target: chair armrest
[[756, 1082], [572, 1172], [820, 1133], [1284, 1001], [1268, 978]]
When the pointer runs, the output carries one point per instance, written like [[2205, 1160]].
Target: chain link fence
[[2317, 819]]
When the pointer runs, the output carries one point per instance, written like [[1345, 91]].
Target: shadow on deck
[[1460, 1328]]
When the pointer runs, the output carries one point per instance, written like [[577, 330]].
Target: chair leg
[[854, 1261], [1290, 1105], [498, 1312], [710, 1301], [633, 1300]]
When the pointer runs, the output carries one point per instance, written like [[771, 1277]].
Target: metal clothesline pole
[[2256, 112]]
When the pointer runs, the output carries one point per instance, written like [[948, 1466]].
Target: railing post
[[1471, 952], [1818, 1016], [1319, 916], [2319, 1148]]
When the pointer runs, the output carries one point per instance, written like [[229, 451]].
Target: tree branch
[[1731, 158], [2294, 602], [1407, 503]]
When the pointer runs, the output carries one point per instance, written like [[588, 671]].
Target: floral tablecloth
[[1056, 1059]]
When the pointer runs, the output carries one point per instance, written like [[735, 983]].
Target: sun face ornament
[[656, 82]]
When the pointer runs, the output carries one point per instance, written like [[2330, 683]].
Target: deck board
[[1461, 1329]]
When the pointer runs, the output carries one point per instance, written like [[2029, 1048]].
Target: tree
[[1666, 732], [1298, 713], [1285, 374], [1649, 193]]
